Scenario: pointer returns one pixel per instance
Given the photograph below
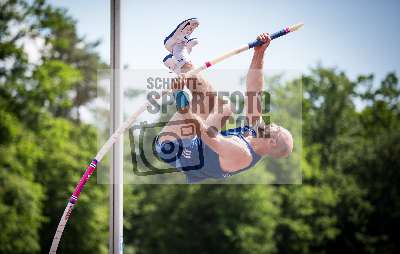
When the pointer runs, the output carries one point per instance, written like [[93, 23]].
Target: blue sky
[[358, 37]]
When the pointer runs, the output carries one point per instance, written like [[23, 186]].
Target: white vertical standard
[[116, 169]]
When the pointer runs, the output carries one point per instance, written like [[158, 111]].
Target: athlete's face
[[274, 140]]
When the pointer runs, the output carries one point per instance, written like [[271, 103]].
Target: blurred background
[[346, 58]]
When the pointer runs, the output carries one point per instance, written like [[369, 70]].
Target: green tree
[[41, 147], [69, 47], [360, 148], [20, 195], [201, 219], [377, 163]]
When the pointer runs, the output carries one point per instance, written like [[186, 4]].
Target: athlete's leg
[[181, 127], [204, 96], [218, 118], [177, 127], [204, 104]]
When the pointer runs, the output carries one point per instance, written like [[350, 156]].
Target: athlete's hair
[[284, 144]]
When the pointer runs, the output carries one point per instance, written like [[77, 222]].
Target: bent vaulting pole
[[89, 171], [122, 128]]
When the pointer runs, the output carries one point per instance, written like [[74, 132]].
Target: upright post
[[116, 167]]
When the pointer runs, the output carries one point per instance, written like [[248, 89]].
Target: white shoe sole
[[178, 34]]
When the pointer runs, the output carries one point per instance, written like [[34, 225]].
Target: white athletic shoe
[[191, 43], [170, 62], [180, 45], [181, 34], [173, 64]]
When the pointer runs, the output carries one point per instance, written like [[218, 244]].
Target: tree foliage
[[42, 146]]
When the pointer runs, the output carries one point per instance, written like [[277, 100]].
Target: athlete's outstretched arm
[[255, 81]]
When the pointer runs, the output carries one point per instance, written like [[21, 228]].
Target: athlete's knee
[[227, 113], [227, 109], [198, 106], [224, 108]]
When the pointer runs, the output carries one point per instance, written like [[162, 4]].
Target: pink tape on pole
[[89, 171]]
